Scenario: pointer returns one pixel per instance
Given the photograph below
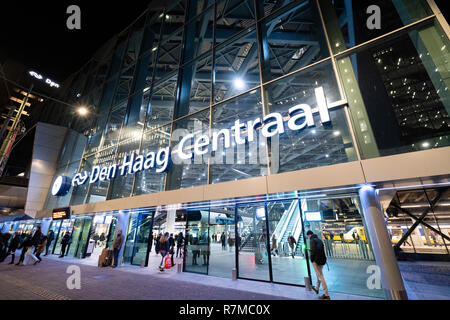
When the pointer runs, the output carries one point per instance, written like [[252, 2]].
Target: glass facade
[[198, 67], [244, 89]]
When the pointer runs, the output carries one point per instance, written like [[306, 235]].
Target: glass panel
[[98, 190], [409, 108], [141, 242], [350, 23], [118, 56], [96, 134], [339, 224], [196, 87], [169, 53], [318, 145], [115, 120], [112, 230], [237, 67], [233, 17], [150, 181], [196, 32], [192, 172], [289, 264], [131, 237], [121, 186], [66, 226], [222, 260], [197, 250], [417, 223], [295, 39], [253, 252], [76, 238], [240, 161], [79, 192], [162, 103], [84, 237], [54, 228]]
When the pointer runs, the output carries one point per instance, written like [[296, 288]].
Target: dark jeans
[[63, 249], [22, 255], [163, 255], [116, 256], [46, 248]]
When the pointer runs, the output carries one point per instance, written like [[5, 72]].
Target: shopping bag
[[167, 262], [27, 255]]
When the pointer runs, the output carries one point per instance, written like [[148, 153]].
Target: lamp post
[[7, 145]]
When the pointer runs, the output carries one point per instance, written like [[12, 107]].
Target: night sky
[[35, 33]]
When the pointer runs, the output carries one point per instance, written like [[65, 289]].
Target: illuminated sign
[[61, 186], [38, 76], [313, 216], [61, 214], [300, 117]]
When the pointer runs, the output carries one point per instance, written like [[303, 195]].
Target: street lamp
[[82, 111]]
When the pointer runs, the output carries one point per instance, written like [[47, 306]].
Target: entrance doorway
[[101, 234]]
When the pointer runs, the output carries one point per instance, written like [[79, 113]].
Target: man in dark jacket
[[26, 245], [65, 241], [15, 242], [117, 244], [318, 260], [50, 237], [172, 248], [180, 244], [4, 246]]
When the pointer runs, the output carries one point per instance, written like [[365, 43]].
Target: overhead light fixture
[[239, 84], [82, 111]]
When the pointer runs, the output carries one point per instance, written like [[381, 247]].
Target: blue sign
[[61, 186]]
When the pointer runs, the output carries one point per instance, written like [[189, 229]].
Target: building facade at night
[[242, 123]]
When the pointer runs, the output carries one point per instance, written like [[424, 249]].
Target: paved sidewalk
[[47, 281]]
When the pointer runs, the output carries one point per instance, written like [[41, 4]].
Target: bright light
[[336, 133], [239, 83], [426, 144], [82, 111]]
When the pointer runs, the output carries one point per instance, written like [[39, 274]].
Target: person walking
[[274, 250], [172, 248], [50, 238], [163, 247], [26, 245], [318, 260], [36, 241], [13, 246], [4, 245], [117, 244], [223, 239], [40, 248], [65, 241], [180, 244], [230, 243], [292, 243]]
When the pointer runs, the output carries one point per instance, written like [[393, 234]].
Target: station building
[[243, 123]]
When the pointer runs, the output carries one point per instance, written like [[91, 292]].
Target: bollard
[[234, 274], [308, 286], [179, 268]]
